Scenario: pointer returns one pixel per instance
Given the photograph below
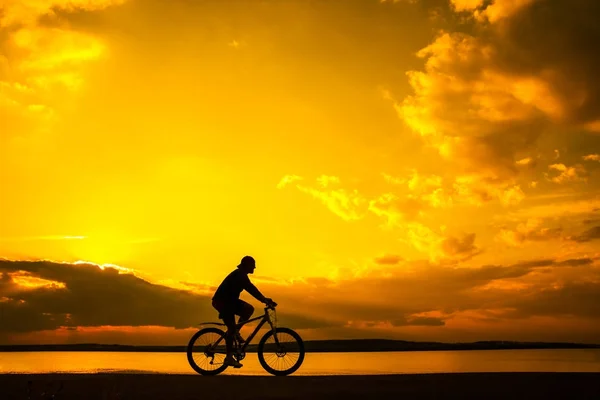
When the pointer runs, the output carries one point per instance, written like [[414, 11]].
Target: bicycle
[[217, 349]]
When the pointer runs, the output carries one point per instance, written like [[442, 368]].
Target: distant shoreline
[[320, 346]]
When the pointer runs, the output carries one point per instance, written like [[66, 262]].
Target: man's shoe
[[232, 362]]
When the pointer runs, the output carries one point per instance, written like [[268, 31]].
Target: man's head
[[247, 264]]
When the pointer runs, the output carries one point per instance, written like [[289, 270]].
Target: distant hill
[[321, 346]]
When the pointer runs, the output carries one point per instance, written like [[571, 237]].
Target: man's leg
[[245, 311], [227, 314], [229, 320]]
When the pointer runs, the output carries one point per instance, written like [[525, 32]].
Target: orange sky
[[417, 169]]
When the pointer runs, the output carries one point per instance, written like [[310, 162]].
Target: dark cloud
[[415, 289], [576, 262], [529, 233], [572, 262], [93, 296], [492, 88], [534, 263], [462, 248], [589, 235], [418, 321], [557, 40], [571, 299], [591, 221]]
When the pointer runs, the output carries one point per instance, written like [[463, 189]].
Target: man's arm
[[253, 290]]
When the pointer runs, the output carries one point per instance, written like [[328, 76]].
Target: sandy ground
[[429, 386]]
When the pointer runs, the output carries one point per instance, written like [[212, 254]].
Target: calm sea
[[315, 363]]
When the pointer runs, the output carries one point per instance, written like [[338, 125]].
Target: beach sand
[[427, 386]]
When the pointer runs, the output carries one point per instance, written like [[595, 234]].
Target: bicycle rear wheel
[[281, 357], [203, 355]]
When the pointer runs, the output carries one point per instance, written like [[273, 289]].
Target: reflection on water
[[315, 363]]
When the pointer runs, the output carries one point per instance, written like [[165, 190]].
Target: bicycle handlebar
[[271, 306]]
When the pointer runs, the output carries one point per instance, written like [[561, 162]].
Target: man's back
[[232, 286]]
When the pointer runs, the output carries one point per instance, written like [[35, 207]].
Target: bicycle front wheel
[[206, 351], [282, 356]]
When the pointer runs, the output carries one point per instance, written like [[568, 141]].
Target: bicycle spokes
[[209, 351], [281, 351]]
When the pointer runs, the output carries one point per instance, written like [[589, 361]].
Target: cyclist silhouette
[[227, 302]]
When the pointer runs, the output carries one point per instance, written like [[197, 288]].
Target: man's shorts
[[230, 309]]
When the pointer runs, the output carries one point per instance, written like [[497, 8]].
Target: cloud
[[430, 190], [501, 9], [404, 295], [525, 161], [388, 259], [404, 210], [41, 60], [558, 208], [418, 321], [440, 246], [325, 180], [349, 205], [478, 190], [592, 157], [41, 55], [570, 299], [92, 296], [437, 192], [288, 179], [401, 321], [402, 213], [28, 12], [548, 262], [397, 295], [466, 5], [395, 210], [398, 1], [487, 94], [461, 248], [564, 66], [575, 173], [528, 231], [43, 295], [588, 235], [467, 112]]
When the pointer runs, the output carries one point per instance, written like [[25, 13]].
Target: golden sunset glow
[[27, 281], [420, 170]]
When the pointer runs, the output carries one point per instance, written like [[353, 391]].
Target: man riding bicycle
[[227, 302]]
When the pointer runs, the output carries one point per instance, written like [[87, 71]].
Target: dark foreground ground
[[429, 386]]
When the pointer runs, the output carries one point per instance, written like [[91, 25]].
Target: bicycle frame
[[264, 319]]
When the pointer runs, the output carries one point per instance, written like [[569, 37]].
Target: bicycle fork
[[274, 332]]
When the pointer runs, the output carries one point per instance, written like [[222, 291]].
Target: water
[[571, 360]]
